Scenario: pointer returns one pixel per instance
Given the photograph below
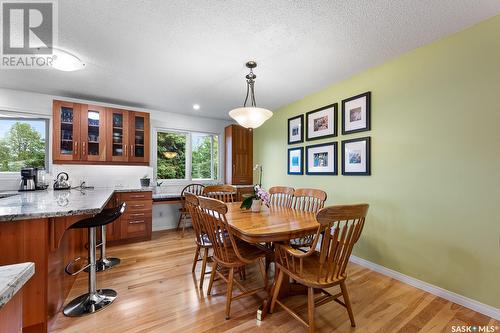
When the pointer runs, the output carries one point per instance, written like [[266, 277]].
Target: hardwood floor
[[158, 293]]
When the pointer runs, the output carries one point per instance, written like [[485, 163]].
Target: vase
[[256, 205]]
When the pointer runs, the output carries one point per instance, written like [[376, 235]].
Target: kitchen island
[[34, 227]]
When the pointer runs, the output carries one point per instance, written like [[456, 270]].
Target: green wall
[[435, 184]]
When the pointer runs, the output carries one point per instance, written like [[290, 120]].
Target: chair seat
[[183, 210], [309, 276], [247, 251]]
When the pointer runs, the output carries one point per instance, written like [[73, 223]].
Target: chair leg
[[347, 302], [263, 271], [310, 308], [196, 255], [212, 277], [229, 292], [276, 291], [180, 220], [203, 267]]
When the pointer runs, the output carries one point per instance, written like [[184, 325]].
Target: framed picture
[[322, 123], [295, 158], [356, 157], [296, 129], [321, 159], [356, 113]]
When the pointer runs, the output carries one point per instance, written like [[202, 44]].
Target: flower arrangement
[[259, 194]]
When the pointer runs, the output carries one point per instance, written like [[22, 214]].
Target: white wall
[[164, 216]]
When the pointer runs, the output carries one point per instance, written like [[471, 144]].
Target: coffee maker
[[28, 179]]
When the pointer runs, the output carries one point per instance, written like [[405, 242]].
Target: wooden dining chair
[[196, 189], [228, 252], [308, 200], [201, 239], [340, 228], [281, 196], [224, 193]]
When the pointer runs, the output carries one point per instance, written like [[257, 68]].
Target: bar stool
[[104, 262], [94, 300]]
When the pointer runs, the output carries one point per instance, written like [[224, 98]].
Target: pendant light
[[250, 116]]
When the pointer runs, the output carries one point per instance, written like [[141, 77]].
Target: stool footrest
[[71, 264]]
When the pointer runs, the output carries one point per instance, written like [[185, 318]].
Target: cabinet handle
[[234, 168], [125, 149], [132, 150], [137, 196], [137, 214], [76, 147], [136, 222], [136, 206], [83, 148]]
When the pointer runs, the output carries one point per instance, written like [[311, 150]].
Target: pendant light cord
[[250, 88]]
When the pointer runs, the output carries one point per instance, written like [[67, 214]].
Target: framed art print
[[295, 161], [322, 123], [356, 113], [321, 159], [296, 129], [356, 157]]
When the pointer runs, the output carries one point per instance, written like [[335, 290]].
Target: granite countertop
[[13, 278], [48, 203]]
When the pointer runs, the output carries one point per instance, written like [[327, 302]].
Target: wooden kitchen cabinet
[[239, 155], [88, 134]]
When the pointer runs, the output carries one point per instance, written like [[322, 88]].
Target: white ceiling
[[168, 55]]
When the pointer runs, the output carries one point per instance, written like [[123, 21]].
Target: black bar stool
[[94, 300]]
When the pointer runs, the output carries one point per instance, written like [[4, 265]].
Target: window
[[187, 155], [23, 143]]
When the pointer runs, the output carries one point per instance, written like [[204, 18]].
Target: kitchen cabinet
[[88, 134], [239, 155]]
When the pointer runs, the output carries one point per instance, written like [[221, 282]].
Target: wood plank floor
[[158, 293]]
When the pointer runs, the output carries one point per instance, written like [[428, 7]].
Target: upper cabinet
[[239, 155], [88, 134]]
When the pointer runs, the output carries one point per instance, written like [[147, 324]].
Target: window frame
[[189, 156], [23, 117]]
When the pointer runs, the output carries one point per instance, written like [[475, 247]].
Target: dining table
[[271, 225]]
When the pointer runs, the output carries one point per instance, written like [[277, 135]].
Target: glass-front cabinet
[[93, 131], [118, 136], [139, 137], [66, 131]]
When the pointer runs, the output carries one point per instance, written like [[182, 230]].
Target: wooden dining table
[[271, 225]]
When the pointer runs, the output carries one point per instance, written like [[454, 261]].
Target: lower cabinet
[[136, 223]]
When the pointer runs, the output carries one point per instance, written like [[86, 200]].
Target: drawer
[[129, 196], [132, 227], [138, 206]]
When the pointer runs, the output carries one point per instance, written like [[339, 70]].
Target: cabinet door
[[139, 137], [242, 155], [66, 120], [118, 135], [93, 133]]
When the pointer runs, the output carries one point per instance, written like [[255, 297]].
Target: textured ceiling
[[168, 55]]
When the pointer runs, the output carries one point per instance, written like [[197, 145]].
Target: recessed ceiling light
[[66, 61], [196, 106]]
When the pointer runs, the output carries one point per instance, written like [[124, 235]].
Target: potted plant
[[255, 201], [145, 181]]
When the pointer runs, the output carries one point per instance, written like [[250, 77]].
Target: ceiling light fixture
[[250, 116], [170, 154], [196, 106], [66, 61]]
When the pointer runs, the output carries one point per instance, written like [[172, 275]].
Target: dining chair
[[281, 196], [224, 193], [201, 239], [196, 189], [228, 252], [340, 228], [308, 200]]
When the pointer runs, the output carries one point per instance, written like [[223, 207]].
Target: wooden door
[[117, 126], [93, 133], [66, 132], [139, 137], [242, 155]]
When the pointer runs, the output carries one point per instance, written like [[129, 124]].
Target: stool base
[[102, 265], [86, 304]]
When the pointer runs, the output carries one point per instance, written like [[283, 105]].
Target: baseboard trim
[[485, 309]]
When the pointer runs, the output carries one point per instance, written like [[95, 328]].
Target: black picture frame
[[301, 117], [335, 160], [301, 172], [367, 171], [367, 109], [335, 121]]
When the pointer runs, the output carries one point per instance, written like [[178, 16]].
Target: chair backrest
[[196, 189], [281, 196], [340, 228], [193, 207], [217, 229], [309, 199], [224, 193]]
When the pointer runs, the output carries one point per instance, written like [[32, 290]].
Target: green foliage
[[171, 168], [22, 147], [202, 158]]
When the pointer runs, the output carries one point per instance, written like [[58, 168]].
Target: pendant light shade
[[250, 116]]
